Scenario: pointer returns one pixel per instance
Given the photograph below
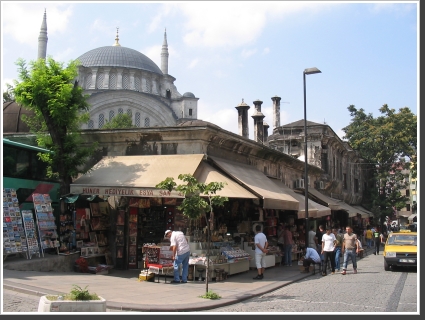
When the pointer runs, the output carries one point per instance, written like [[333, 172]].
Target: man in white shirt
[[311, 256], [328, 247], [181, 253], [261, 250]]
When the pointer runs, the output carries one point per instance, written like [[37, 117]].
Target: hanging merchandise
[[45, 222], [29, 228], [14, 239]]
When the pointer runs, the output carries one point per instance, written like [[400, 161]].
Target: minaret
[[42, 39], [117, 44], [164, 54], [243, 119]]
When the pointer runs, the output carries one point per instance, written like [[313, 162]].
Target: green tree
[[120, 121], [388, 144], [50, 90], [8, 95], [200, 198]]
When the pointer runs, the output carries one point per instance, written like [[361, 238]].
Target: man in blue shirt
[[311, 256]]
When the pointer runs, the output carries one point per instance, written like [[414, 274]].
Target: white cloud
[[6, 81], [246, 53], [232, 23], [193, 63], [266, 51], [227, 119], [18, 16]]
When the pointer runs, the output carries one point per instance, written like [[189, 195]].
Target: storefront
[[138, 213]]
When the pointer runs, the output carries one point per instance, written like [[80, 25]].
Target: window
[[356, 185], [147, 122], [407, 193], [90, 125], [137, 120], [130, 113], [344, 181], [101, 120], [120, 111], [408, 206], [190, 112], [111, 114]]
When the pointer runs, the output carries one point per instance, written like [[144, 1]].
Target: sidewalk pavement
[[123, 290]]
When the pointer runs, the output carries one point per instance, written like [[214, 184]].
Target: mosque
[[122, 80]]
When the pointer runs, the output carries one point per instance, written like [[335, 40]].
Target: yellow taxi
[[401, 249]]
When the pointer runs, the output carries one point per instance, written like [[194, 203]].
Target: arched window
[[113, 81], [130, 113], [111, 114], [137, 120], [101, 120], [147, 122], [137, 83], [120, 111], [99, 84], [125, 81], [87, 81], [90, 125]]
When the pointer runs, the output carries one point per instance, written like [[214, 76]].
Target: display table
[[230, 268]]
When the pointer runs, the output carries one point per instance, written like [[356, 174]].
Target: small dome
[[188, 95], [118, 57], [12, 118]]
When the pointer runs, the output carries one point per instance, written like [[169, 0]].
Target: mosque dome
[[12, 121], [188, 95], [118, 57]]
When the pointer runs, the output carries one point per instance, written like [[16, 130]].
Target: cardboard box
[[146, 276]]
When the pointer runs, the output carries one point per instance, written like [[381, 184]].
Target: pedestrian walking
[[377, 241], [369, 237], [350, 249], [337, 251], [328, 247], [261, 244], [319, 234], [289, 242]]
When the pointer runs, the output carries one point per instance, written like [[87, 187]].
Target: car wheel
[[386, 266]]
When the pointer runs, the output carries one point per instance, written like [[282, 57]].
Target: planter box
[[46, 305]]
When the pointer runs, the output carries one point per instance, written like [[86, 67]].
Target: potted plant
[[77, 300]]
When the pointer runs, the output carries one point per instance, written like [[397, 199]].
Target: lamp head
[[312, 71]]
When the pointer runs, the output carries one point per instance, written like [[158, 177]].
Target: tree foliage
[[121, 121], [49, 89], [8, 95], [388, 144], [200, 198]]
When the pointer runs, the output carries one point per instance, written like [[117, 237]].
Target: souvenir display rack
[[47, 229], [14, 239], [132, 238], [30, 233]]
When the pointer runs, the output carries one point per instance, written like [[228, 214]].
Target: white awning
[[364, 213], [258, 183], [312, 210], [331, 203], [411, 217], [206, 174], [137, 176], [335, 204]]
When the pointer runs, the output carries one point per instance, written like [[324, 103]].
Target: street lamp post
[[306, 71]]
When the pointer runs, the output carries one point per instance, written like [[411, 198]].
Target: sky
[[225, 52]]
